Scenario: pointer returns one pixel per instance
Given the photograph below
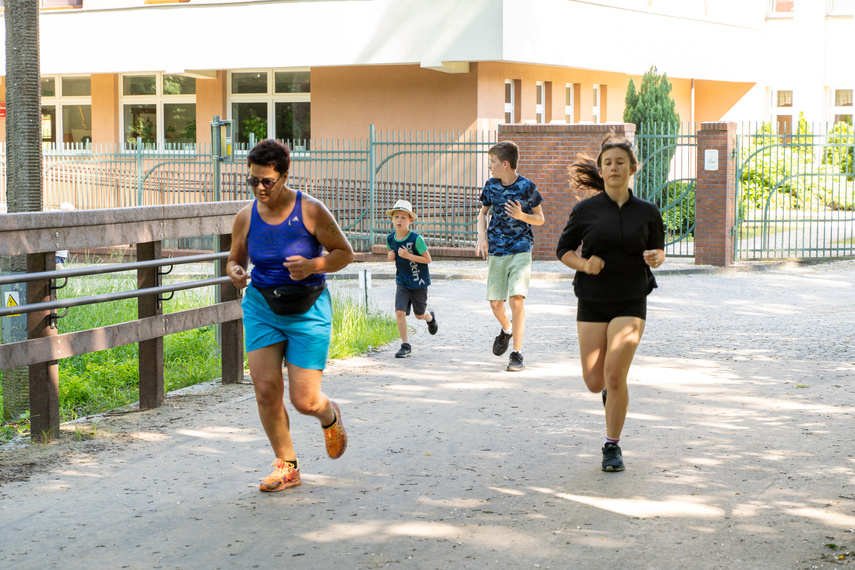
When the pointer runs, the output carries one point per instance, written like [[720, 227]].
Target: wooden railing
[[39, 235]]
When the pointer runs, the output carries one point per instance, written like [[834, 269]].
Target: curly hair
[[586, 171], [271, 153]]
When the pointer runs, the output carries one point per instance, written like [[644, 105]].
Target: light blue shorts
[[307, 336], [508, 275]]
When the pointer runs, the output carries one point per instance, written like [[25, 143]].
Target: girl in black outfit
[[622, 237]]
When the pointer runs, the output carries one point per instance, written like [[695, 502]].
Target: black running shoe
[[432, 325], [604, 398], [500, 344], [515, 362], [612, 459], [405, 351]]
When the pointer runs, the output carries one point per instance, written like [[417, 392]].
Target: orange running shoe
[[335, 436], [283, 476]]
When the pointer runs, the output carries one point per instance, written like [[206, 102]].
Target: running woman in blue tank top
[[283, 233]]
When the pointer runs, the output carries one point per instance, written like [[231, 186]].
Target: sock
[[610, 440], [329, 426], [507, 331]]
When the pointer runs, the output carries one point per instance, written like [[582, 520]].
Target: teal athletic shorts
[[307, 336], [508, 275]]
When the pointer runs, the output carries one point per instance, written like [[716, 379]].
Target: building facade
[[115, 71]]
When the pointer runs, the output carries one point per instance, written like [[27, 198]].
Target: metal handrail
[[80, 301], [113, 268]]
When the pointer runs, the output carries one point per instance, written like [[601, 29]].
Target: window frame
[[839, 12], [570, 110], [58, 101], [776, 110], [270, 99], [772, 11], [834, 109], [509, 104], [540, 102], [159, 99]]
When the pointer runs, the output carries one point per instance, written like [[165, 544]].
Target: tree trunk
[[23, 151]]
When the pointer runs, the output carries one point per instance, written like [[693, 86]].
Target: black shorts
[[415, 298], [606, 311]]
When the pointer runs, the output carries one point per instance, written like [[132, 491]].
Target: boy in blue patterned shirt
[[513, 203], [410, 254]]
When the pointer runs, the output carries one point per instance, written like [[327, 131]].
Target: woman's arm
[[238, 254]]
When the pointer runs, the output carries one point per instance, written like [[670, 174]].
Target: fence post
[[372, 183], [715, 194], [231, 332], [44, 377], [152, 392]]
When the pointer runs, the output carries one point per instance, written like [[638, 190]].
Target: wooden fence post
[[231, 332], [44, 377], [152, 392]]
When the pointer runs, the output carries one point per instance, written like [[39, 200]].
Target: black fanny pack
[[291, 299]]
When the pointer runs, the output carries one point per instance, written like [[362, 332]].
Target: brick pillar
[[546, 151], [715, 191]]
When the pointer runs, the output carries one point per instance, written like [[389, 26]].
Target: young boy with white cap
[[410, 254]]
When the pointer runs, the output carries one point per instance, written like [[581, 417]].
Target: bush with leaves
[[841, 148]]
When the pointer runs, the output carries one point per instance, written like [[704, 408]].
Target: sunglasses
[[268, 183]]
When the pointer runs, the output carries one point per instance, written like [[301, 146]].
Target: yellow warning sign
[[12, 300]]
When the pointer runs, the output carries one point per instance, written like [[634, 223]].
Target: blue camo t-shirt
[[507, 235]]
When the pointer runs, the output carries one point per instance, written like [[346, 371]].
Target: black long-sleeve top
[[618, 235]]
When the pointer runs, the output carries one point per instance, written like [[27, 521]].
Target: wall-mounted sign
[[711, 159]]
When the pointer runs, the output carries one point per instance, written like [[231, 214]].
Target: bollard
[[365, 284]]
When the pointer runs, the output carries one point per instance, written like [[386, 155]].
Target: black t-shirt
[[618, 235]]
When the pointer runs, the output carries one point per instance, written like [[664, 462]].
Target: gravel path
[[738, 447]]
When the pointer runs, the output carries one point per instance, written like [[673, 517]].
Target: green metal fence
[[668, 155], [359, 180], [795, 192]]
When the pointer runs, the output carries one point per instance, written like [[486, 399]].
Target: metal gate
[[440, 173], [795, 193], [667, 178]]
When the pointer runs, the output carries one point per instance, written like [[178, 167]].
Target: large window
[[272, 104], [842, 109], [539, 100], [782, 8], [841, 7], [570, 103], [782, 111], [509, 101], [66, 110], [159, 109], [595, 112]]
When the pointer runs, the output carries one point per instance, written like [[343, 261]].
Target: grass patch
[[109, 379]]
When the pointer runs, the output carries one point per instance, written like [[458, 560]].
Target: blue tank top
[[269, 246]]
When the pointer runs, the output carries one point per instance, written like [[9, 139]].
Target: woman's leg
[[265, 367], [304, 388], [593, 342], [623, 335]]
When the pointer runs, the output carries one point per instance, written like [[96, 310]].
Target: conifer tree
[[656, 119]]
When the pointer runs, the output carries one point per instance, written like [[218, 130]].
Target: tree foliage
[[657, 123]]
